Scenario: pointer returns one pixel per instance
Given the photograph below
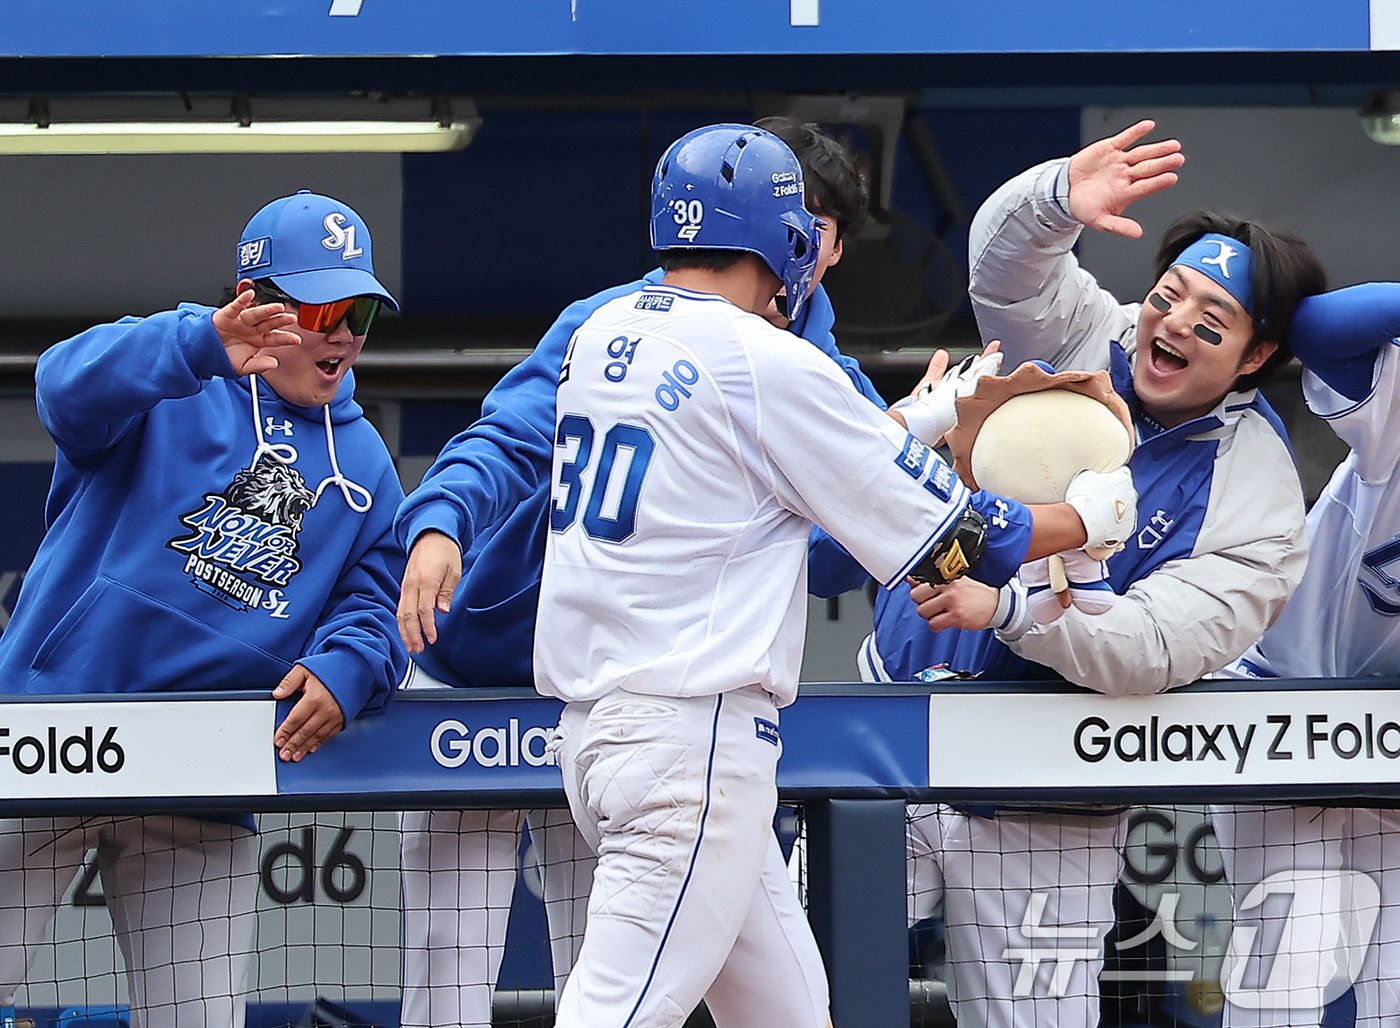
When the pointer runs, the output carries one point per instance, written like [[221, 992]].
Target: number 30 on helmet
[[737, 187]]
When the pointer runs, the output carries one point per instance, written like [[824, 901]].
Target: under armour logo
[[1222, 259], [342, 237], [272, 426], [1155, 530], [999, 518]]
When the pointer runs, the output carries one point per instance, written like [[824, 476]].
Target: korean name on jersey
[[695, 446]]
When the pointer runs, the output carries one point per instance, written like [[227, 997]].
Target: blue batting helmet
[[737, 187]]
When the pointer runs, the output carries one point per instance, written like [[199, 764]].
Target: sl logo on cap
[[254, 253], [342, 237]]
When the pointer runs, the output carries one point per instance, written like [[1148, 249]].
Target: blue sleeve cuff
[[1008, 538], [350, 682], [436, 516], [204, 350]]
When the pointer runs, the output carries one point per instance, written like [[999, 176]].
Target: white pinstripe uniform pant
[[691, 897], [182, 895]]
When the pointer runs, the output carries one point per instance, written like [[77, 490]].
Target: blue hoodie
[[489, 491], [187, 550]]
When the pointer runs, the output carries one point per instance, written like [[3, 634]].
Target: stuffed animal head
[[1027, 434]]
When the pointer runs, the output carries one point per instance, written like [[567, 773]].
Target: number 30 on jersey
[[610, 511]]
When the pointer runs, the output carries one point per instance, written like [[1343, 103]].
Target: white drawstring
[[283, 453], [347, 487], [357, 497]]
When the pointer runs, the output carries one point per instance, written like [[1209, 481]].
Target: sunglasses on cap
[[358, 312]]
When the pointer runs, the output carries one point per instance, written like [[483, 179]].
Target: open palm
[[1107, 176], [250, 330]]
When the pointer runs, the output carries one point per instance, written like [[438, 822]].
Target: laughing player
[[1219, 547]]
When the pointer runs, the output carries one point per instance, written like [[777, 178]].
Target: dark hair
[[835, 180], [264, 291], [1285, 271], [686, 259]]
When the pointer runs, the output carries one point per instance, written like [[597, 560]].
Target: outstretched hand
[[1107, 176], [312, 720], [433, 571], [250, 330]]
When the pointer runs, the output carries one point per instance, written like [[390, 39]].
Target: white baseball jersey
[[695, 446], [1344, 620]]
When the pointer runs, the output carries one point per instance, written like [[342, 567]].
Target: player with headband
[[686, 484], [221, 518], [1218, 551]]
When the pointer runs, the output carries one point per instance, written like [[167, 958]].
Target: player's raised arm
[[90, 389], [1337, 335], [498, 463], [1026, 285]]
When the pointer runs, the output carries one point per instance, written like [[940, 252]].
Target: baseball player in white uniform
[[1341, 623], [696, 444]]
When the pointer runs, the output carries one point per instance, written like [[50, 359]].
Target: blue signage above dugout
[[408, 28]]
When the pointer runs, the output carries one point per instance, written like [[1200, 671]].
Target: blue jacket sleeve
[[816, 324], [355, 649], [92, 389], [832, 571], [1008, 538], [499, 461], [1337, 335]]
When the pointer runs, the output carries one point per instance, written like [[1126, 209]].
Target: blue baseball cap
[[315, 249]]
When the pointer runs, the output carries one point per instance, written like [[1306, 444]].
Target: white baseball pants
[[1258, 841], [691, 898], [1027, 900], [181, 893], [457, 869], [458, 875]]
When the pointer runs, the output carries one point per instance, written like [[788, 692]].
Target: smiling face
[[1192, 340]]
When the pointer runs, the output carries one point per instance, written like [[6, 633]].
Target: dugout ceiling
[[578, 97]]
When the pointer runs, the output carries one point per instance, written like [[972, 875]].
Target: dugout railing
[[853, 755]]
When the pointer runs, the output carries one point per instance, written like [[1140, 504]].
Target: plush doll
[[1026, 435]]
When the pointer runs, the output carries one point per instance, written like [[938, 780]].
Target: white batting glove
[[931, 411], [1107, 504]]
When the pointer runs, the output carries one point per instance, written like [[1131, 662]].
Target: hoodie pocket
[[115, 639]]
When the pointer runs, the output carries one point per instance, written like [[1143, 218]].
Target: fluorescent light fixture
[[150, 137], [215, 125], [1381, 117]]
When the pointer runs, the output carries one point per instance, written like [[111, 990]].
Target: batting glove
[[1107, 504], [931, 411]]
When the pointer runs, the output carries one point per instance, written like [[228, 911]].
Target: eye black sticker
[[1159, 301], [1208, 334]]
